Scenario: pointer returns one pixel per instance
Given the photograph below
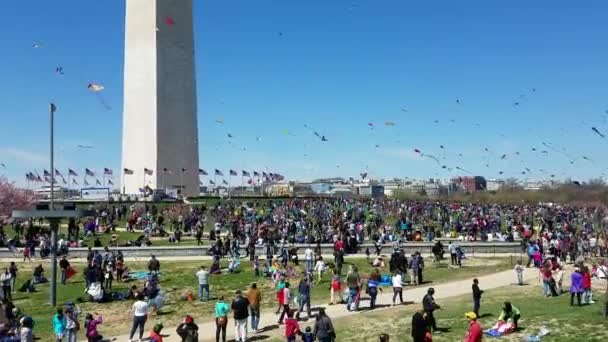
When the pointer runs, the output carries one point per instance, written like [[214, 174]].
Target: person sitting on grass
[[509, 313]]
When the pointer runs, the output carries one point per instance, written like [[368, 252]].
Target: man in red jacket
[[475, 334]]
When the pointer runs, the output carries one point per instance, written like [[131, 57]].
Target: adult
[[64, 265], [429, 306], [397, 287], [71, 325], [27, 327], [188, 330], [509, 313], [308, 258], [140, 316], [221, 319], [576, 286], [373, 283], [285, 296], [6, 279], [477, 292], [304, 297], [153, 264], [240, 309], [453, 255], [353, 281], [474, 334], [254, 297], [203, 283], [324, 329], [13, 269], [419, 327]]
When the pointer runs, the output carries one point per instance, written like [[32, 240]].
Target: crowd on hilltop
[[232, 223]]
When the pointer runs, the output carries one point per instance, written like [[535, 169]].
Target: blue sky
[[336, 66]]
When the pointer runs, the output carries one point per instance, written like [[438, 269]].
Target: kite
[[463, 170], [389, 123], [516, 153], [441, 147], [230, 136], [587, 158], [59, 70], [458, 101], [96, 88], [516, 104], [460, 155], [377, 146], [503, 156], [280, 34], [544, 152], [36, 45], [371, 124], [85, 146], [219, 121], [597, 131], [533, 149], [3, 165], [323, 138], [258, 138], [317, 134], [436, 121], [500, 172], [417, 151], [405, 110], [169, 21]]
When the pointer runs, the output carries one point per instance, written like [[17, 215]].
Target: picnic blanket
[[500, 329], [140, 275]]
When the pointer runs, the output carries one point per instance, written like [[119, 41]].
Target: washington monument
[[160, 133]]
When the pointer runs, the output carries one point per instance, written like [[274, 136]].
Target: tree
[[13, 198]]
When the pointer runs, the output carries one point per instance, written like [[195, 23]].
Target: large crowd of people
[[550, 235]]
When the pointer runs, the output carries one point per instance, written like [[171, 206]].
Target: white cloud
[[22, 157]]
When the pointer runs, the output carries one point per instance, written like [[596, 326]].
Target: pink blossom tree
[[13, 198]]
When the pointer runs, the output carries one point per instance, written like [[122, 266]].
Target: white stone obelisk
[[160, 130]]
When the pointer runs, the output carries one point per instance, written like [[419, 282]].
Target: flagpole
[[181, 183]]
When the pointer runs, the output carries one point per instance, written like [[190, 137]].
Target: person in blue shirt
[[373, 284]]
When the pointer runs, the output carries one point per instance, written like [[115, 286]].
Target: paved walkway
[[452, 289]]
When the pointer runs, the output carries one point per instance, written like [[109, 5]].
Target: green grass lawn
[[566, 323], [178, 278]]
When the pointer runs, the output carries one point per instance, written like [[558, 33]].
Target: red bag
[[69, 272]]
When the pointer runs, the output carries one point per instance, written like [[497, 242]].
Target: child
[[292, 328], [519, 270], [256, 266], [307, 336], [586, 284], [90, 324], [335, 289]]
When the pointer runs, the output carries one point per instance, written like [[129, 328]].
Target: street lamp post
[[53, 222]]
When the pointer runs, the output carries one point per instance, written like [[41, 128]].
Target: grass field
[[177, 278], [566, 323]]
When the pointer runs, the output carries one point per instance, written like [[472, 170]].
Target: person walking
[[308, 258], [64, 265], [254, 297], [373, 283], [140, 316], [240, 309], [413, 270], [353, 281], [304, 298], [324, 328], [59, 324], [420, 268], [188, 330], [476, 296], [475, 333], [221, 319], [13, 269], [203, 283], [285, 299], [292, 328], [429, 306], [419, 327], [453, 255], [397, 287]]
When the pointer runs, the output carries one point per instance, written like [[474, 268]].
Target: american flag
[[246, 174], [74, 182], [86, 183], [46, 174], [89, 172], [224, 182], [110, 182], [218, 172], [184, 170], [256, 174], [233, 173], [211, 182], [148, 172], [107, 172], [57, 173], [167, 171], [202, 172], [72, 173], [97, 182], [127, 171]]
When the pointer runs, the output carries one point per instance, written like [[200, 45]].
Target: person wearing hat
[[155, 335], [474, 334], [188, 330]]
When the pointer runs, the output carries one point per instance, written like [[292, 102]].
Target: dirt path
[[269, 318]]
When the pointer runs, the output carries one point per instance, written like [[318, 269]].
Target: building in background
[[160, 135]]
